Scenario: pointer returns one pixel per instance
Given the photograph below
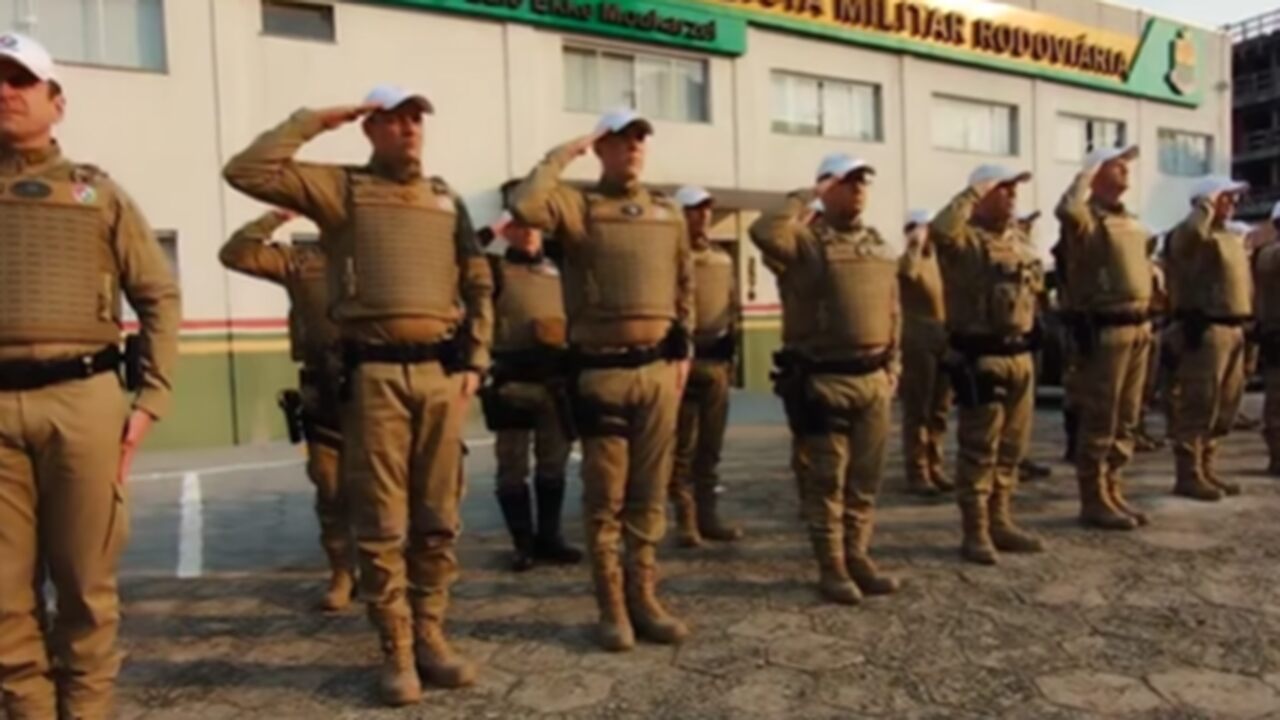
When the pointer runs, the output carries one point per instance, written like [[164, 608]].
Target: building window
[[118, 33], [804, 105], [974, 126], [1184, 154], [659, 86], [303, 20], [1078, 136]]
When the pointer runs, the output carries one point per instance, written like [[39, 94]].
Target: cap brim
[[641, 123], [12, 57], [1014, 178], [422, 103]]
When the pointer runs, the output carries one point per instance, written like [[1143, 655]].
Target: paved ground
[[1181, 620]]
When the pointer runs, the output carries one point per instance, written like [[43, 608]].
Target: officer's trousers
[[1113, 379], [63, 516], [926, 400], [402, 427], [551, 445], [1210, 380], [704, 415], [994, 435], [324, 464]]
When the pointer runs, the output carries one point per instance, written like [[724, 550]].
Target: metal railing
[[1256, 26]]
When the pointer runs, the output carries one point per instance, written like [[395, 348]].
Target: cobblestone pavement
[[1180, 620]]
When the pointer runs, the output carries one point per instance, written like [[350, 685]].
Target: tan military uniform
[[1266, 278], [1111, 284], [704, 408], [991, 288], [528, 402], [628, 287], [845, 333], [926, 395], [782, 370], [301, 271], [1212, 298], [413, 301], [73, 241]]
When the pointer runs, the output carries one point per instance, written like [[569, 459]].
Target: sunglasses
[[18, 79]]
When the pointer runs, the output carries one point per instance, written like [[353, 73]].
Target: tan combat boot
[[1189, 479], [398, 681], [976, 546], [1005, 535], [614, 630], [862, 568], [834, 582], [920, 484], [1097, 509], [438, 662], [650, 619], [710, 525], [1229, 488], [687, 535], [1114, 491], [342, 588]]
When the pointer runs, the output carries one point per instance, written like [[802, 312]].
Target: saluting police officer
[[926, 395], [528, 399], [845, 366], [1266, 280], [991, 284], [704, 408], [1105, 247], [413, 302], [73, 243], [629, 298], [300, 268], [1212, 295]]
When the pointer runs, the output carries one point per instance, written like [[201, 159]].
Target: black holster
[[133, 362], [1194, 326], [290, 403]]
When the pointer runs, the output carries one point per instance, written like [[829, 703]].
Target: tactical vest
[[1221, 279], [59, 279], [529, 311], [854, 292], [995, 293], [922, 297], [312, 333], [1111, 271], [627, 268], [713, 292], [398, 256]]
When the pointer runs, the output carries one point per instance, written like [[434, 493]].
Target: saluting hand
[[579, 146], [336, 117], [135, 430]]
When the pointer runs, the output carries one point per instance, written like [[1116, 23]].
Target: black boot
[[516, 510], [1070, 423], [549, 544]]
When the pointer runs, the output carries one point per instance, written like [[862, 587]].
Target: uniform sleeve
[[152, 291], [685, 300], [895, 343], [542, 201], [1073, 208], [949, 230], [475, 281], [267, 171], [779, 232], [250, 250]]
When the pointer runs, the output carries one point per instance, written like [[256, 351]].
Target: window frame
[[161, 69], [332, 13], [1089, 120], [877, 98], [1015, 125], [632, 54], [1208, 138]]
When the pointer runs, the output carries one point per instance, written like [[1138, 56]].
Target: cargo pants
[[1112, 378], [926, 401], [704, 415], [63, 516], [324, 464], [994, 435], [1210, 387], [551, 445]]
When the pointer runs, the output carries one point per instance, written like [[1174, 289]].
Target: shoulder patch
[[85, 173]]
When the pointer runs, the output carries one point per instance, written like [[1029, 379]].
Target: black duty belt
[[997, 345], [626, 359], [851, 366], [1116, 319], [35, 374], [1226, 320], [533, 365], [721, 349], [355, 353]]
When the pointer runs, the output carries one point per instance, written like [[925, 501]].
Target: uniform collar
[[1110, 208], [17, 161], [401, 171], [613, 188], [519, 257], [842, 225]]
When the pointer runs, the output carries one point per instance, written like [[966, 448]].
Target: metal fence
[[1257, 26]]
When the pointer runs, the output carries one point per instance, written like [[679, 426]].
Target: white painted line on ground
[[191, 534]]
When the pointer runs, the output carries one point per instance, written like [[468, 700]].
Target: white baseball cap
[[692, 196], [840, 165], [1217, 185], [620, 119], [918, 217], [817, 205], [29, 54], [1239, 227], [390, 97], [1101, 156], [998, 174]]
